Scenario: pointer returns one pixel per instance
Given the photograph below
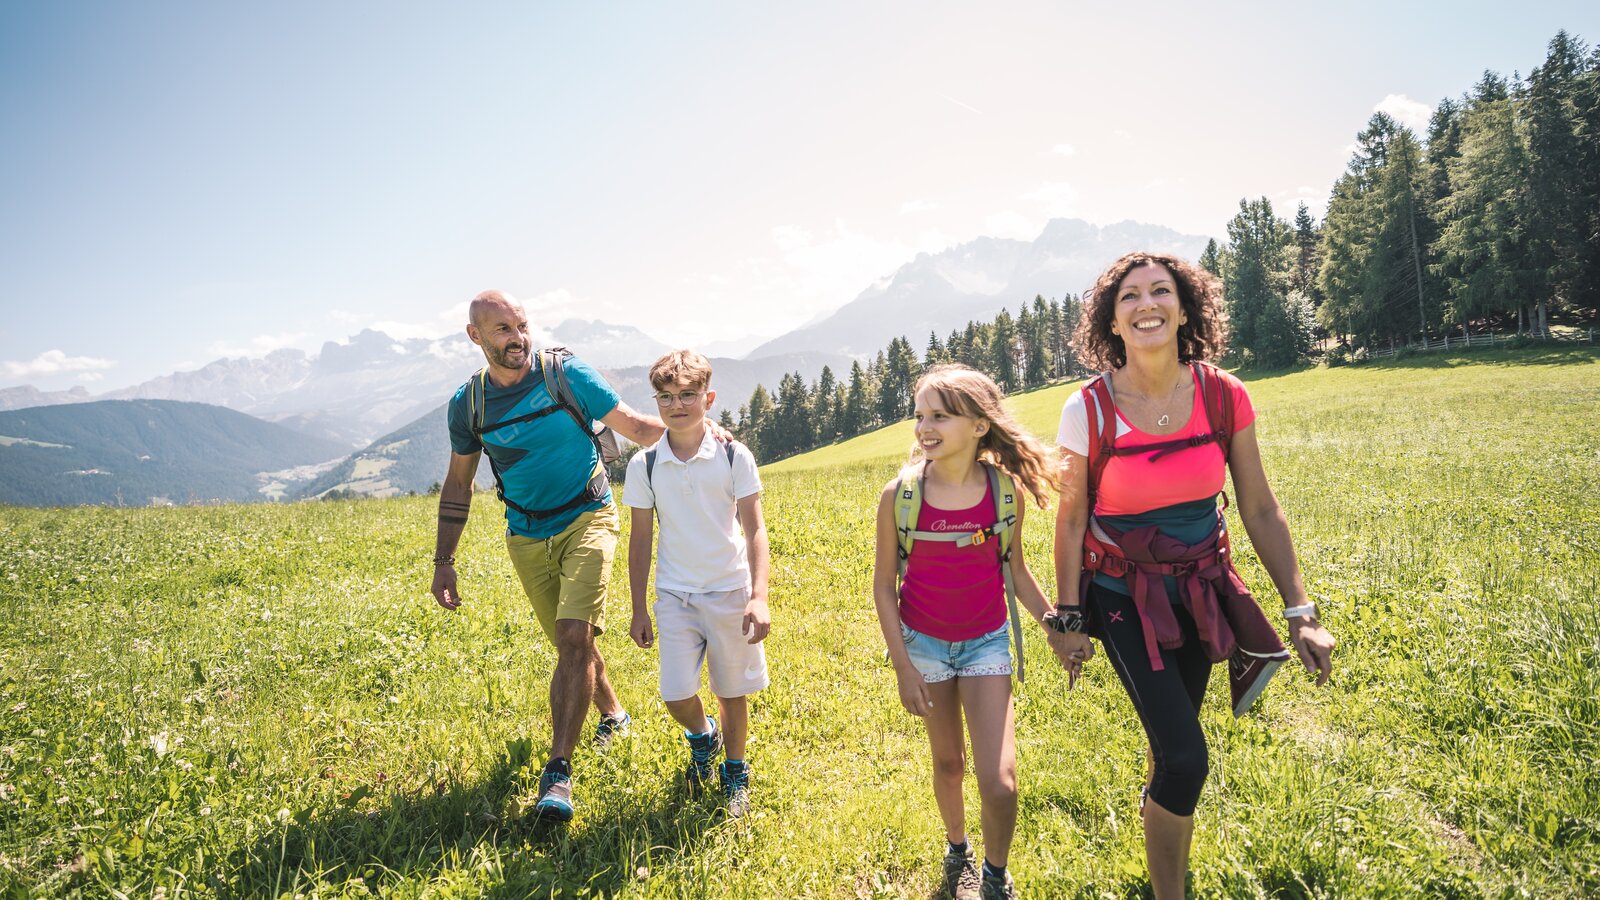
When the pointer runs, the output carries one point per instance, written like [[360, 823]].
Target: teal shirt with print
[[543, 463]]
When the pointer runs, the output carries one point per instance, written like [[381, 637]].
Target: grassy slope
[[255, 699]]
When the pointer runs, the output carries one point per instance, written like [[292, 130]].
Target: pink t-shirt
[[954, 593], [1134, 484]]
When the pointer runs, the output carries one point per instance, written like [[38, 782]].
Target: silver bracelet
[[1297, 612]]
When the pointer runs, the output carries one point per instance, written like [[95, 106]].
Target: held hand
[[757, 620], [1072, 650], [640, 630], [913, 692], [1315, 646], [444, 587], [718, 433]]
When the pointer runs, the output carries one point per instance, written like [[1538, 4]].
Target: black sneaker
[[998, 888], [1248, 674], [555, 797], [961, 878], [703, 750], [735, 788], [611, 727]]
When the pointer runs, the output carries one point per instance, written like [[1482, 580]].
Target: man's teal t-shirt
[[543, 463]]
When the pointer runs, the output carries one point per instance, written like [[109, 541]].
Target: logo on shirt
[[947, 525]]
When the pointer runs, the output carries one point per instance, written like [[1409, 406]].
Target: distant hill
[[940, 292], [28, 395], [142, 452], [407, 460]]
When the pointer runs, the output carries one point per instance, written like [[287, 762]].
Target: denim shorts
[[986, 654]]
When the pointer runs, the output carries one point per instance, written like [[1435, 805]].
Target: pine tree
[[1557, 242], [1002, 362], [935, 353], [1041, 355], [857, 403], [1482, 250], [1211, 258], [757, 421], [1267, 330], [825, 412]]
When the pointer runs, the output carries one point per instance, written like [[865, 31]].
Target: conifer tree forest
[[1489, 220]]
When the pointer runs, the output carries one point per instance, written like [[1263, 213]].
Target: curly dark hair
[[1204, 337]]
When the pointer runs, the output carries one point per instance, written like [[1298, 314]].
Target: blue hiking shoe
[[555, 797], [703, 750], [610, 728], [735, 787]]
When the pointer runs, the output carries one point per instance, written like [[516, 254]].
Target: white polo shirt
[[700, 547]]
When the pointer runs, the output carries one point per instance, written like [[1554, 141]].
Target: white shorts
[[707, 628]]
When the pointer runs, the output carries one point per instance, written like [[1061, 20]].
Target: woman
[[1145, 447]]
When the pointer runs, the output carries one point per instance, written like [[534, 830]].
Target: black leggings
[[1168, 701]]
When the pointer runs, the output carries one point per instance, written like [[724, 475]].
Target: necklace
[[1166, 418]]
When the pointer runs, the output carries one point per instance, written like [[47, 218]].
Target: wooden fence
[[1487, 339]]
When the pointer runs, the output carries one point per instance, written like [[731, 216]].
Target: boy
[[711, 585]]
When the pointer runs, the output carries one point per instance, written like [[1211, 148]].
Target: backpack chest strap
[[964, 538]]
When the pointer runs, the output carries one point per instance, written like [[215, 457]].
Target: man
[[561, 524]]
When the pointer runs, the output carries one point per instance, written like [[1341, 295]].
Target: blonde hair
[[681, 365], [967, 392]]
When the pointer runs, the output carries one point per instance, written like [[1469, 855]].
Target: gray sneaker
[[610, 728], [999, 888], [961, 878], [735, 788]]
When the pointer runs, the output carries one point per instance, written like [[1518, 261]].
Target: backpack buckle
[[979, 536]]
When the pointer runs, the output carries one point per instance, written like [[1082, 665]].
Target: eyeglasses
[[665, 398]]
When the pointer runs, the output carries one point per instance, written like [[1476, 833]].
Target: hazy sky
[[182, 181]]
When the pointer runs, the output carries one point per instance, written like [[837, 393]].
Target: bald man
[[561, 524]]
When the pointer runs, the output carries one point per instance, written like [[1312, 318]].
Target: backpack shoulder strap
[[553, 366], [907, 507], [1217, 396], [1101, 411], [1005, 510], [650, 467], [475, 400]]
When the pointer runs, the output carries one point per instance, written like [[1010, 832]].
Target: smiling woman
[[1145, 446]]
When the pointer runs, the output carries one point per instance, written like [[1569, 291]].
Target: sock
[[961, 848], [990, 870], [735, 766], [709, 730], [620, 716], [560, 766]]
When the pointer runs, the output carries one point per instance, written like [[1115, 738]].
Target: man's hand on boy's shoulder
[[757, 620]]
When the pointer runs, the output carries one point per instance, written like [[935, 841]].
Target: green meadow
[[265, 701]]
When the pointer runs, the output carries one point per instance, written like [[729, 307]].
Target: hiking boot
[[961, 878], [1248, 674], [998, 888], [611, 727], [703, 750], [735, 788], [555, 797]]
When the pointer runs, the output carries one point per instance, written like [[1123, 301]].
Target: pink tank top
[[954, 593]]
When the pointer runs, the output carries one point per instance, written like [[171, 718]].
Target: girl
[[945, 626], [1145, 447]]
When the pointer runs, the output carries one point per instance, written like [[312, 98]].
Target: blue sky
[[182, 181]]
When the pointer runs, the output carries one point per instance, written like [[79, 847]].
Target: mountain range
[[383, 395]]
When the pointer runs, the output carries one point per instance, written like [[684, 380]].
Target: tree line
[[1492, 217], [1019, 352]]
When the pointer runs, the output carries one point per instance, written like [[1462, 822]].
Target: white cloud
[[405, 331], [1064, 150], [916, 206], [260, 345], [1056, 199], [1406, 111], [90, 377], [54, 362], [1012, 224]]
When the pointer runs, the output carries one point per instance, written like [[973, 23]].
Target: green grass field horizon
[[264, 700]]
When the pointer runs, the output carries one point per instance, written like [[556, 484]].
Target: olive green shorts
[[567, 576]]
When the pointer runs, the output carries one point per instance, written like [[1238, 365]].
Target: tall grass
[[264, 700]]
